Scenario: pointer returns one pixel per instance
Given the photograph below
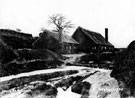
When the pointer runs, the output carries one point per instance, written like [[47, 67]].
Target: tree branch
[[60, 22]]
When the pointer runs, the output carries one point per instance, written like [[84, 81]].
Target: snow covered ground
[[102, 85], [72, 57], [65, 68]]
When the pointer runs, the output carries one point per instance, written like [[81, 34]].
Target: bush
[[86, 58], [30, 60], [124, 70], [6, 53], [14, 68]]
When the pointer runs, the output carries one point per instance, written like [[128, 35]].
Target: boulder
[[81, 88], [45, 89]]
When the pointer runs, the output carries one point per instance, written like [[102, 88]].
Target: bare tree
[[60, 23]]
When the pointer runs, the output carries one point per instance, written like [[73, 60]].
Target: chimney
[[106, 34]]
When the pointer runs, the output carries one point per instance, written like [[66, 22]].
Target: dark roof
[[96, 37], [8, 32], [16, 39], [65, 38]]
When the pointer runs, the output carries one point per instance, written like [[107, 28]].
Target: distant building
[[16, 39], [50, 40], [90, 41]]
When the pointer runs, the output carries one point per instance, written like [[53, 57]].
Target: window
[[102, 47], [110, 48], [70, 47]]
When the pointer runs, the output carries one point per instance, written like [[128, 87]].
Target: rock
[[87, 58], [81, 88], [103, 94], [45, 89]]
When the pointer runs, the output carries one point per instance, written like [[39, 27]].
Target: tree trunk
[[60, 40]]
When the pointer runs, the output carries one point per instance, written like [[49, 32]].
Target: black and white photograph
[[67, 48]]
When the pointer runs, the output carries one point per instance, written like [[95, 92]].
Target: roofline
[[46, 30], [79, 27], [27, 34]]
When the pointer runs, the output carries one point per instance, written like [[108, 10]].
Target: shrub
[[6, 53], [124, 70]]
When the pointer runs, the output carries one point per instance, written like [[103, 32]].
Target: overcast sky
[[96, 15]]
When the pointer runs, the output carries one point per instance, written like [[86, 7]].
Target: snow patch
[[67, 94], [65, 68]]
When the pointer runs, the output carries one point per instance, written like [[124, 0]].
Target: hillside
[[29, 60]]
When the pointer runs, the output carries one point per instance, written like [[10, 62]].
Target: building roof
[[16, 39], [65, 38], [8, 32], [96, 37]]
